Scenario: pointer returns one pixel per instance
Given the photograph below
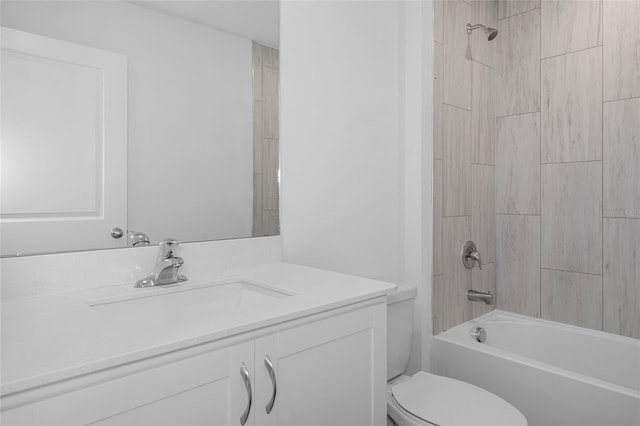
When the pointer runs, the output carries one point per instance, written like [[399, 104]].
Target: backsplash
[[64, 272]]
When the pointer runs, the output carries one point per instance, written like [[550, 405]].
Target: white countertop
[[50, 338]]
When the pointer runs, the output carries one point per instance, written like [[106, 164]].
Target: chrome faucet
[[470, 255], [166, 269], [480, 296]]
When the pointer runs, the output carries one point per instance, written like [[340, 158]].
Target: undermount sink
[[186, 301]]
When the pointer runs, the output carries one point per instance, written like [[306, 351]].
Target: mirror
[[128, 122]]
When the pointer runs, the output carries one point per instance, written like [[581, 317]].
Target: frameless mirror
[[128, 122]]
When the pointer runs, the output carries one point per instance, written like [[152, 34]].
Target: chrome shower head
[[491, 32]]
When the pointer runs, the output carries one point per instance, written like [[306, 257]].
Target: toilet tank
[[399, 330]]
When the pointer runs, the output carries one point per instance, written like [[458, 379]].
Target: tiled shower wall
[[266, 75], [464, 142], [567, 164]]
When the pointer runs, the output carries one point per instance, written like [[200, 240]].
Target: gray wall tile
[[457, 67], [438, 82], [257, 136], [569, 25], [257, 205], [270, 57], [438, 304], [438, 21], [572, 217], [518, 264], [270, 103], [483, 229], [484, 12], [518, 164], [457, 279], [483, 114], [621, 151], [483, 280], [622, 276], [270, 165], [518, 64], [456, 162], [572, 298], [572, 107], [437, 217], [256, 51], [621, 46], [507, 8]]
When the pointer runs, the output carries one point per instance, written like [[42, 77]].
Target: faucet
[[470, 255], [166, 269], [480, 296]]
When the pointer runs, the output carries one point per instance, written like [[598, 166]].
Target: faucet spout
[[480, 296], [166, 269]]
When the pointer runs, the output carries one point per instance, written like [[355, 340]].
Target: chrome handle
[[117, 233], [272, 374], [247, 383]]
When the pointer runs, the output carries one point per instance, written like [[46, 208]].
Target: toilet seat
[[448, 402]]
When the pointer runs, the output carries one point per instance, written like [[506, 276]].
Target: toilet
[[426, 399]]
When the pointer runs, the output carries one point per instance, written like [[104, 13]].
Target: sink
[[187, 301]]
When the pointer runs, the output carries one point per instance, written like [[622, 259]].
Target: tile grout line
[[602, 174], [517, 14], [517, 114], [614, 100], [540, 152], [571, 272], [567, 53]]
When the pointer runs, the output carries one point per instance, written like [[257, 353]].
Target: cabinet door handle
[[247, 383], [272, 374]]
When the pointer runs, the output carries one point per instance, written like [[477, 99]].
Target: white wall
[[190, 112], [356, 144], [340, 157]]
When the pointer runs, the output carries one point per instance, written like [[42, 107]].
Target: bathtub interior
[[603, 356]]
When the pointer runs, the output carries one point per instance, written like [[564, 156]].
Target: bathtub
[[555, 374]]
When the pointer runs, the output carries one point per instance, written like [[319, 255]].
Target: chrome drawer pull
[[247, 383], [272, 374]]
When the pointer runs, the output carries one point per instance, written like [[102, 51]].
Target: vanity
[[269, 344]]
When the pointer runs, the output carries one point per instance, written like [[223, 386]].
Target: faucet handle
[[470, 255], [166, 247]]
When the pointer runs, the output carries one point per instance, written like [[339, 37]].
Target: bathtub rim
[[451, 336]]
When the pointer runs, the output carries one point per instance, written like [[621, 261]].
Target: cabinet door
[[329, 372], [17, 417], [203, 390]]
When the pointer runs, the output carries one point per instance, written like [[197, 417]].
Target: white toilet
[[426, 399]]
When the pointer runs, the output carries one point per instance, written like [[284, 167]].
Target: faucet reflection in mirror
[[166, 270]]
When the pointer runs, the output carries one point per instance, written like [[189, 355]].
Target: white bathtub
[[555, 374]]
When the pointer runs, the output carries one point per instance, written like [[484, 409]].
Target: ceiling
[[253, 19]]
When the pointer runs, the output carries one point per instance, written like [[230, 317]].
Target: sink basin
[[187, 301]]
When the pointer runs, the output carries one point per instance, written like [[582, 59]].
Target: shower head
[[490, 32]]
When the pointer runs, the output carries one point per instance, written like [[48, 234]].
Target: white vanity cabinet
[[203, 390], [328, 369]]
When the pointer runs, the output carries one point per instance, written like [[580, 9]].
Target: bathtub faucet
[[470, 255], [480, 296]]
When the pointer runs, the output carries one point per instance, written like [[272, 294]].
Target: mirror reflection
[[128, 122]]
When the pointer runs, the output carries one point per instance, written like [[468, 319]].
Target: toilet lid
[[445, 401]]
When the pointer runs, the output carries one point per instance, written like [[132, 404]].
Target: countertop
[[46, 339]]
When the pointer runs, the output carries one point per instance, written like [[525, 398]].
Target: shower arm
[[470, 27]]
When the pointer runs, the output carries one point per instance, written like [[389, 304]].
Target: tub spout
[[480, 296]]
